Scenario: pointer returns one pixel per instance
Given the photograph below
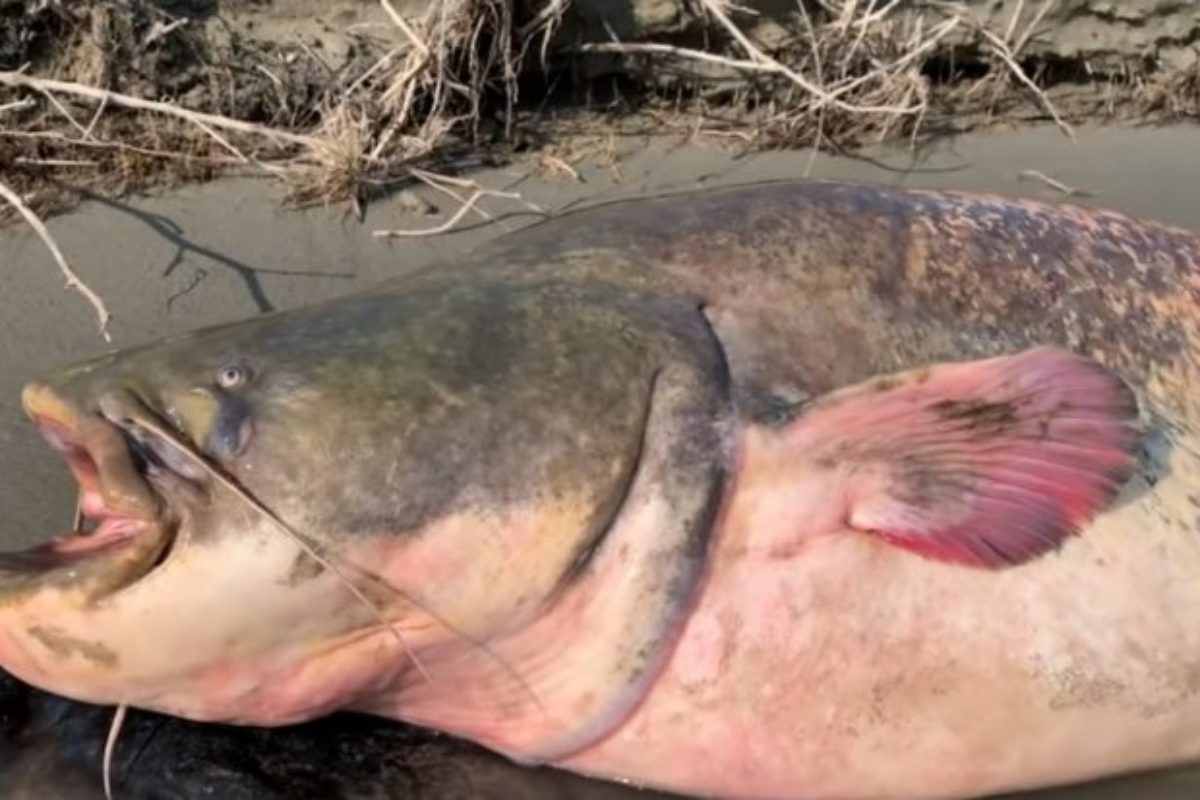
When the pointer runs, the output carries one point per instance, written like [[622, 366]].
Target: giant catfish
[[792, 490]]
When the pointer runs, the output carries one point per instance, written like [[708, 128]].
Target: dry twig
[[465, 208], [1053, 183], [18, 105], [1004, 53], [73, 280], [206, 121], [1031, 28], [819, 135], [62, 138]]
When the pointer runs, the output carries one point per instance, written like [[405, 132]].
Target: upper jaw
[[97, 453]]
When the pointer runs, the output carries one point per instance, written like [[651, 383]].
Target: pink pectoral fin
[[990, 463]]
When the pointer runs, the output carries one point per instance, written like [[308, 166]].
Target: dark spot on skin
[[825, 461], [1055, 285], [710, 482], [1153, 458], [928, 483], [1079, 689], [64, 646], [991, 419], [885, 384], [304, 568]]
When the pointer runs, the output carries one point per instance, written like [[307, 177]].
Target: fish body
[[794, 490]]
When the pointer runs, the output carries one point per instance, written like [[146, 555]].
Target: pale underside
[[849, 668]]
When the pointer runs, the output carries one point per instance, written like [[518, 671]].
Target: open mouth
[[132, 509], [98, 523], [123, 474]]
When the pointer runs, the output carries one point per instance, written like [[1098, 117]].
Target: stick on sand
[[73, 280]]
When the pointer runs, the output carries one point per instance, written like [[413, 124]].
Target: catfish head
[[403, 502]]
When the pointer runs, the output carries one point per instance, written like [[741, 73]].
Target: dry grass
[[370, 126], [419, 95], [1172, 99], [127, 97], [846, 72], [411, 101], [436, 88]]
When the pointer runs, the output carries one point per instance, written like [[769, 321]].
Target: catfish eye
[[231, 376]]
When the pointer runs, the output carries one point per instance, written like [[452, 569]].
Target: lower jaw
[[265, 691], [273, 688]]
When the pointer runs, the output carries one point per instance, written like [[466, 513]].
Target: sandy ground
[[227, 250]]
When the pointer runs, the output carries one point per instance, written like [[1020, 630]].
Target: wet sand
[[228, 250]]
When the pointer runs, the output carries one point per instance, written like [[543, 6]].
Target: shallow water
[[225, 251]]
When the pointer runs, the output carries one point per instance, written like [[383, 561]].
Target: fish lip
[[122, 492]]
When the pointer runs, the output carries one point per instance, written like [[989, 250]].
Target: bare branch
[[456, 217], [17, 80], [73, 280]]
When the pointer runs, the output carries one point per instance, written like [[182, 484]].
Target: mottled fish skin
[[813, 286]]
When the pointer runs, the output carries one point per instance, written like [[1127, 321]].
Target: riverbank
[[342, 102]]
